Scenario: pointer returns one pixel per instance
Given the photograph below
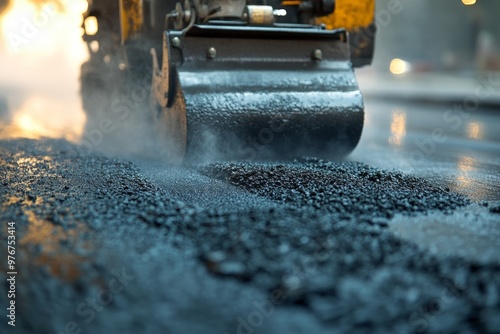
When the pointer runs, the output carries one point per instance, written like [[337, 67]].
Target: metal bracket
[[161, 76]]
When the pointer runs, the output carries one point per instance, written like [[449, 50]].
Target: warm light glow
[[475, 130], [468, 2], [40, 117], [41, 52], [44, 28], [91, 25], [279, 12], [399, 66], [28, 127], [398, 127], [94, 46]]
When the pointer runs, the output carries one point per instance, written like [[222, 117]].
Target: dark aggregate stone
[[350, 189], [495, 209]]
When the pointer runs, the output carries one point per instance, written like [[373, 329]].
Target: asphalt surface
[[453, 144], [114, 245]]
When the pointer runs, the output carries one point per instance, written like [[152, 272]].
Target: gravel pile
[[349, 189]]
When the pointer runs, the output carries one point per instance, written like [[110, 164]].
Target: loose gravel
[[320, 259]]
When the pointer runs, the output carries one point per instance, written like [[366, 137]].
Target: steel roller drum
[[268, 93]]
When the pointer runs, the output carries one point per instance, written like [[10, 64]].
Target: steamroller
[[243, 79]]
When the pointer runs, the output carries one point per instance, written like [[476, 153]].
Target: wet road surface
[[452, 144], [309, 246]]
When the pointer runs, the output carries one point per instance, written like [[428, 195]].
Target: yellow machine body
[[131, 18], [350, 14]]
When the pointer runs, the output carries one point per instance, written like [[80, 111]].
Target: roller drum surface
[[259, 93], [277, 112]]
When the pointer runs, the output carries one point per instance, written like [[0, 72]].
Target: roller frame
[[258, 77]]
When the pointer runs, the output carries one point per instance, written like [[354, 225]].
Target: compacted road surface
[[105, 245]]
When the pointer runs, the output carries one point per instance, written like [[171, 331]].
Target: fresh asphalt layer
[[307, 246]]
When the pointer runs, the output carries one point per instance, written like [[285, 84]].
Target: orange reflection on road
[[468, 180], [466, 165], [49, 238], [398, 127]]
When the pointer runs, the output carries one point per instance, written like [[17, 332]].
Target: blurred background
[[41, 53], [461, 36], [434, 50], [425, 49]]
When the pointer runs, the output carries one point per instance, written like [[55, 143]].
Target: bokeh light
[[399, 66]]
